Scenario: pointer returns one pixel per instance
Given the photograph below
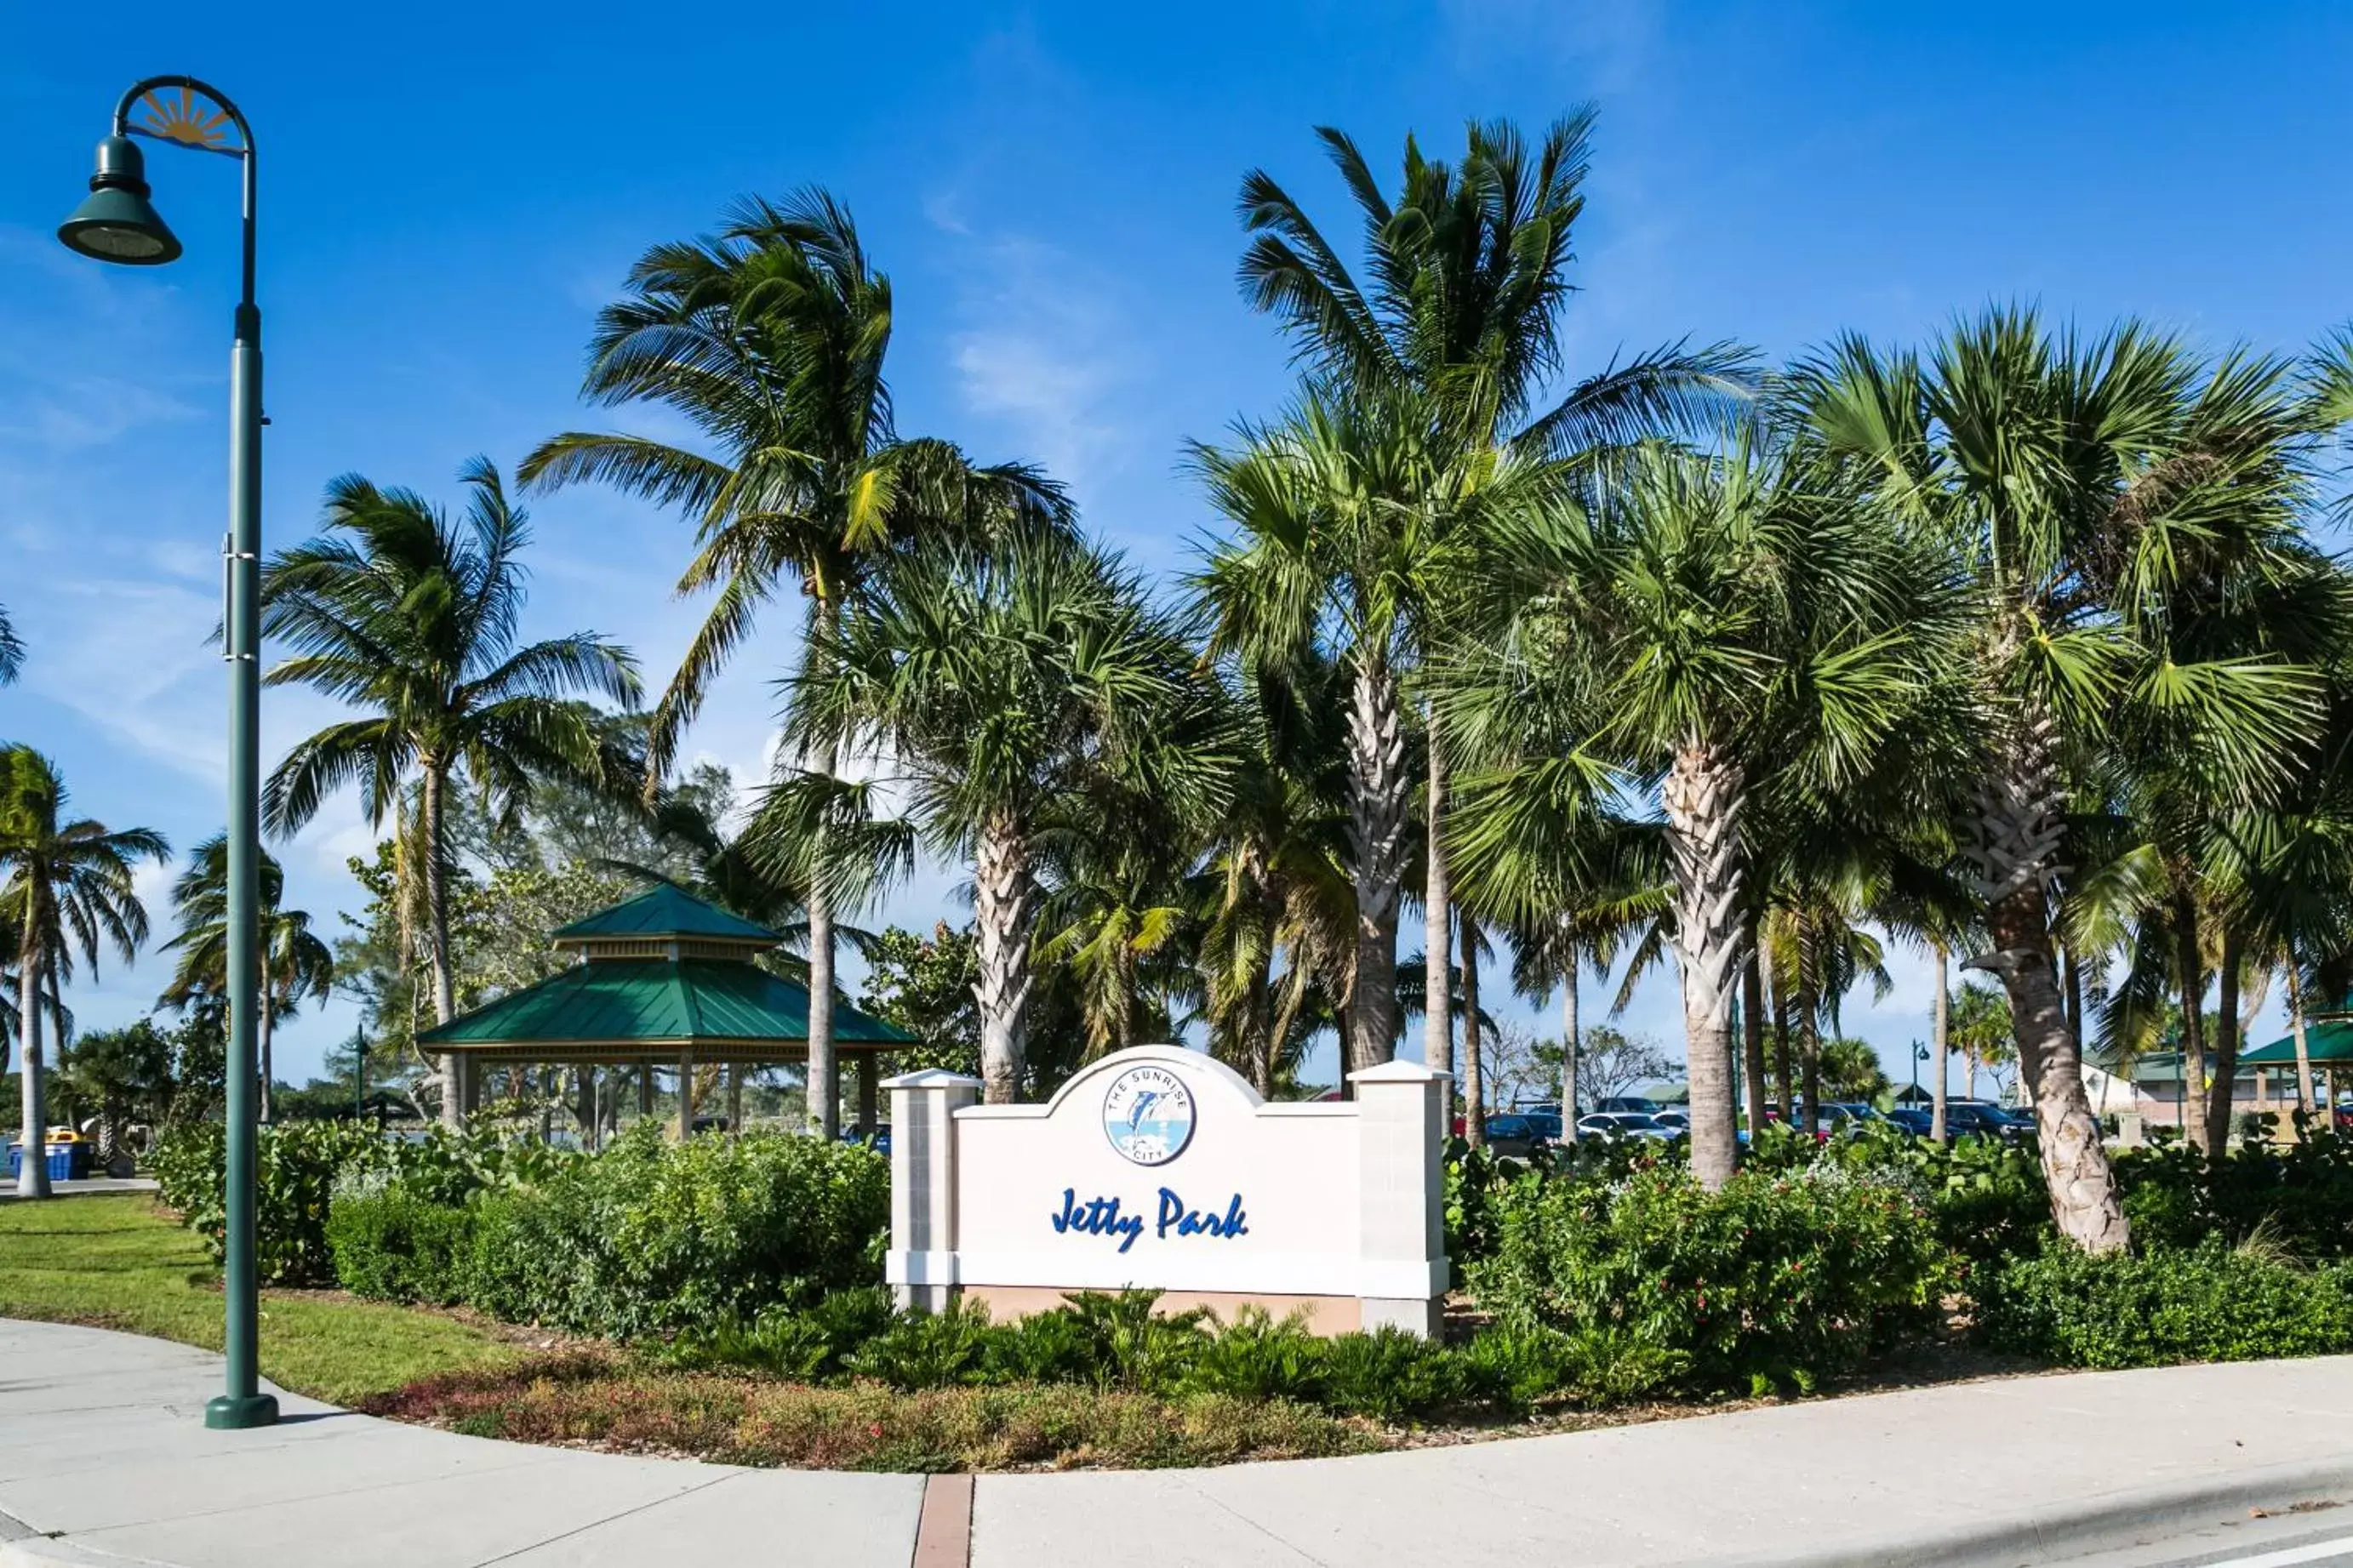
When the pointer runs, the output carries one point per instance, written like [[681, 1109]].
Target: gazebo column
[[870, 1079], [645, 1089], [583, 1102], [734, 1100], [685, 1096]]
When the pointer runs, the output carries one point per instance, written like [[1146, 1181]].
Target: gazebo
[[2328, 1045], [661, 980]]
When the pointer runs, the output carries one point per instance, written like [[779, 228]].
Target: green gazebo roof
[[2330, 1042], [625, 1004], [664, 911]]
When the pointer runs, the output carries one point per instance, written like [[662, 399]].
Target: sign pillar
[[921, 1267], [1401, 1110]]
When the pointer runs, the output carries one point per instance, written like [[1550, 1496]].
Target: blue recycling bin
[[60, 1157]]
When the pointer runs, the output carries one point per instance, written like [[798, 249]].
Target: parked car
[[1981, 1119], [1912, 1120], [1672, 1116], [1630, 1104], [1611, 1126], [1518, 1136]]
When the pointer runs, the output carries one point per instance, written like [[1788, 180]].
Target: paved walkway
[[88, 1186], [103, 1457]]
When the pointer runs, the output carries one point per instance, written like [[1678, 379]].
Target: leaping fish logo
[[1144, 1101]]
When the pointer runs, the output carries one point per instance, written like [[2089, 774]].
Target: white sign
[[1159, 1168]]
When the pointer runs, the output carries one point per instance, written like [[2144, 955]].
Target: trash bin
[[60, 1157]]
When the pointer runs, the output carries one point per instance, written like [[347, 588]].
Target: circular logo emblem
[[1148, 1115]]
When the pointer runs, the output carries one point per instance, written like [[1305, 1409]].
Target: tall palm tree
[[769, 337], [295, 964], [66, 884], [1706, 626], [1277, 883], [1464, 282], [1021, 692], [12, 650], [402, 611], [2094, 484]]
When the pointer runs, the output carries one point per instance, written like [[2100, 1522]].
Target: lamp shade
[[116, 222]]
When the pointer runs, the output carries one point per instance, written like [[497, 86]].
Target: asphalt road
[[2290, 1540]]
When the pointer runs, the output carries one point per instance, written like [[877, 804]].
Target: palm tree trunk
[[1474, 1065], [33, 1169], [1004, 903], [2303, 1051], [269, 1018], [2190, 966], [1437, 993], [1377, 802], [823, 1068], [1572, 1044], [2219, 1092], [1942, 1030], [1781, 1097], [1703, 793], [1258, 1026], [2019, 833], [437, 938], [1809, 1023], [1752, 1034]]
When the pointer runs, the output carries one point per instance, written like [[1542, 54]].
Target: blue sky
[[449, 193]]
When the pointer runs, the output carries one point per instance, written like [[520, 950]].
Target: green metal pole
[[243, 1404]]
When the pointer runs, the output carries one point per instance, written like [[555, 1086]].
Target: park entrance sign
[[1159, 1168]]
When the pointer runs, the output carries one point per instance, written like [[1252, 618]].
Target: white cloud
[[1045, 352]]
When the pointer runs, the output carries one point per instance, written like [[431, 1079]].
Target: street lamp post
[[116, 223]]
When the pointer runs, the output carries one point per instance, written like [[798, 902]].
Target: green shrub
[[392, 1244], [1777, 1276], [2212, 1302], [927, 1350], [296, 1164], [1389, 1374], [1126, 1342], [2301, 1197], [650, 1237], [1258, 1357], [1513, 1367]]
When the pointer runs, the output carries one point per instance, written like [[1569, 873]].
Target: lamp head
[[116, 222]]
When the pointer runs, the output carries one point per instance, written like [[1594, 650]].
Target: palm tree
[[1707, 625], [1021, 692], [2097, 486], [295, 964], [1465, 281], [66, 884], [12, 650], [770, 339], [397, 609], [1277, 882]]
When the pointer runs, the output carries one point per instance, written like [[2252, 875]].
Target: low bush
[[296, 1165], [2299, 1196], [869, 1426], [1774, 1278], [2210, 1302], [391, 1243]]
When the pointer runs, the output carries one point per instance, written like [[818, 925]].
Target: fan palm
[[295, 964], [769, 337], [2098, 486], [1463, 283], [399, 610], [66, 884], [1707, 625], [1021, 692]]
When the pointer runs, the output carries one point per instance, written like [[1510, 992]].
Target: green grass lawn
[[118, 1262]]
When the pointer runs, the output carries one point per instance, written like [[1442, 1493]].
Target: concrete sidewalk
[[102, 1457]]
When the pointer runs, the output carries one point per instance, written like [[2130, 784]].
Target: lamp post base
[[227, 1414]]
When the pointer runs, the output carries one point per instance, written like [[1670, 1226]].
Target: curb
[[2033, 1538], [22, 1546]]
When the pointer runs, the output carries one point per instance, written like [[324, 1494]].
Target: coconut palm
[[1707, 625], [2096, 485], [1277, 883], [295, 964], [769, 337], [402, 611], [66, 884], [1021, 692], [1463, 284]]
